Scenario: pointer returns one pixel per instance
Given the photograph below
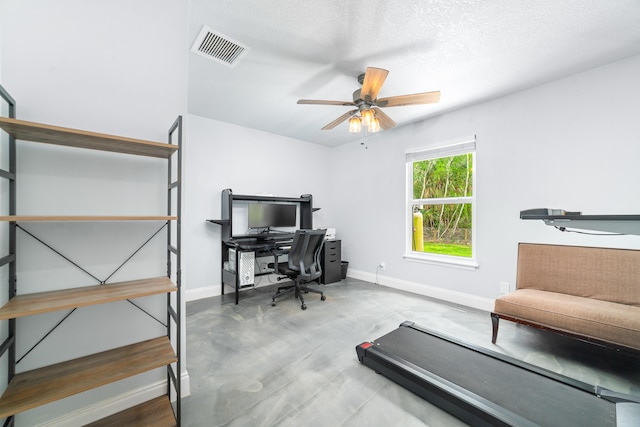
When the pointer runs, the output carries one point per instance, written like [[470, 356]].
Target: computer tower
[[246, 262]]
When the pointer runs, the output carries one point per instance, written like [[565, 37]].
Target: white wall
[[557, 145], [571, 144], [116, 67], [222, 155]]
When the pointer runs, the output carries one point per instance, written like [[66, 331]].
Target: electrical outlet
[[382, 265], [504, 287]]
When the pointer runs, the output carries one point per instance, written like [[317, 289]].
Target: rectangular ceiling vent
[[218, 47]]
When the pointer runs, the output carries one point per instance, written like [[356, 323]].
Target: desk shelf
[[219, 221]]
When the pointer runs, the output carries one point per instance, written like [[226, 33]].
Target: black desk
[[252, 243], [234, 274]]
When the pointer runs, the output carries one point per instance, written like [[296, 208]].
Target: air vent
[[218, 47]]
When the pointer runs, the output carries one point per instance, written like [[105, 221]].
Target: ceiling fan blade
[[323, 102], [339, 120], [372, 83], [415, 99], [386, 122]]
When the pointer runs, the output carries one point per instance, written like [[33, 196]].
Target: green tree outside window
[[442, 194]]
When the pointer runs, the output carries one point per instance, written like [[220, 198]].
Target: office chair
[[303, 265]]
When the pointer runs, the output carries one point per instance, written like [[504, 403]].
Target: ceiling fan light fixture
[[355, 125], [368, 112], [374, 125], [367, 116]]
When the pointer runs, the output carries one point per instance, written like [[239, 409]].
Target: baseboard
[[202, 293], [117, 403], [455, 297], [468, 300]]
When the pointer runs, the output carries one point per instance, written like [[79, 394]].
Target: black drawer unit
[[331, 262]]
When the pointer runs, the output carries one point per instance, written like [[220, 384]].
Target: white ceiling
[[470, 50]]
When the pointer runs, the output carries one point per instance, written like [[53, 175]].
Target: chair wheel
[[322, 298], [303, 306], [273, 303]]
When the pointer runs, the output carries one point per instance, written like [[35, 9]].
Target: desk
[[252, 244], [238, 258]]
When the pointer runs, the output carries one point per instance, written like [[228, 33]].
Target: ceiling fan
[[367, 103]]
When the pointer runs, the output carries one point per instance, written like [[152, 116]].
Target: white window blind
[[465, 145]]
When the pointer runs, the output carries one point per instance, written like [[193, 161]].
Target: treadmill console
[[544, 213]]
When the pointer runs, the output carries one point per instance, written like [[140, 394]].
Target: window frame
[[448, 149]]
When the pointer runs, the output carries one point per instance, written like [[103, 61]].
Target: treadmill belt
[[484, 387]]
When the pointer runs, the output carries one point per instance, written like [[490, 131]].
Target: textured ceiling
[[470, 50]]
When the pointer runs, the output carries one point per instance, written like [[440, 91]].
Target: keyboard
[[264, 244]]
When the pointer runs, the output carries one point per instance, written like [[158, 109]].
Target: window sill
[[443, 260]]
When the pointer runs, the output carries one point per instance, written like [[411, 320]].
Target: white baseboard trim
[[202, 293], [117, 403], [455, 297]]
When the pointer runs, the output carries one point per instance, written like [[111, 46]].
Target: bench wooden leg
[[495, 319]]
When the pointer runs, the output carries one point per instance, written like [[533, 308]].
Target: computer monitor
[[266, 215]]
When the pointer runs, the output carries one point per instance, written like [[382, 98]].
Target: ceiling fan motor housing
[[360, 103]]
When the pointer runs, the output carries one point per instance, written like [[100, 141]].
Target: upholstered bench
[[589, 293]]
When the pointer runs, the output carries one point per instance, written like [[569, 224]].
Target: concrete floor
[[256, 365]]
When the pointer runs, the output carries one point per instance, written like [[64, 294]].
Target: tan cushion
[[607, 321], [602, 273]]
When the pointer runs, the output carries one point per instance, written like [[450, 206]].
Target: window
[[440, 203]]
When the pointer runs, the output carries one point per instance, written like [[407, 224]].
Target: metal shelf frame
[[172, 152]]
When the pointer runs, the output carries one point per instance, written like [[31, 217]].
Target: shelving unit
[[37, 387]]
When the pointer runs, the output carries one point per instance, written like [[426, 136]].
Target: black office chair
[[303, 265]]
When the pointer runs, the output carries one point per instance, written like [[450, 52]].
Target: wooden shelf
[[78, 218], [37, 132], [156, 412], [30, 389], [44, 302]]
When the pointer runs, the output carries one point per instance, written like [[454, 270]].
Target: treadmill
[[485, 388]]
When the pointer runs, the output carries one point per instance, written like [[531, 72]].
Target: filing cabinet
[[330, 261]]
